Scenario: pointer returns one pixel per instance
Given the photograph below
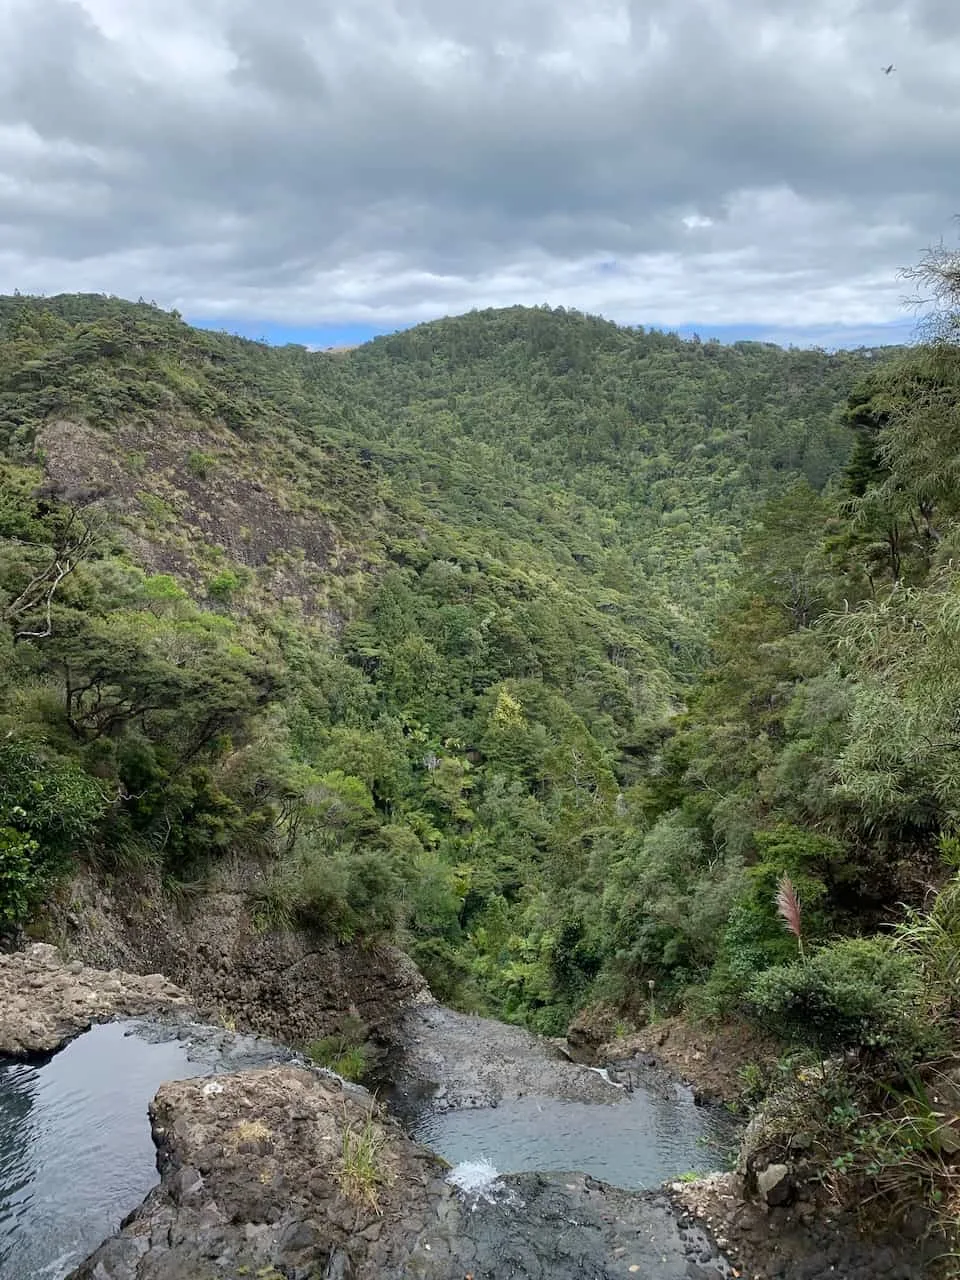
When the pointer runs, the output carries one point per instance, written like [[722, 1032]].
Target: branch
[[61, 573], [67, 555]]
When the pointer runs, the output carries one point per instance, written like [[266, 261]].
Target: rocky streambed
[[272, 1169]]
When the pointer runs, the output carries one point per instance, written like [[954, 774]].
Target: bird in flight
[[886, 70]]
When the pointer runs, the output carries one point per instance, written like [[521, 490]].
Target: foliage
[[521, 525], [860, 994], [19, 875], [552, 649], [344, 1051], [363, 1168], [932, 937]]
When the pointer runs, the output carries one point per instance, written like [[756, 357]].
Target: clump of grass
[[252, 1131], [362, 1170], [200, 464], [351, 1063], [273, 901], [343, 1052]]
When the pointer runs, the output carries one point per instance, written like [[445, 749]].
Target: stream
[[635, 1145], [76, 1154]]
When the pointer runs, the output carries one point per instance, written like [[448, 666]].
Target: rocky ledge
[[452, 1061], [286, 1173], [46, 1001]]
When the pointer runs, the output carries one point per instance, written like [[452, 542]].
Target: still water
[[638, 1143], [76, 1153]]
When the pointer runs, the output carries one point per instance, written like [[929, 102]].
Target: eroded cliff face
[[289, 985]]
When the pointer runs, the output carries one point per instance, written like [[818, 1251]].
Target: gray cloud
[[319, 161]]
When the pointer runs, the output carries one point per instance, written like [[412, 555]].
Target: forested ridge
[[410, 624], [586, 662]]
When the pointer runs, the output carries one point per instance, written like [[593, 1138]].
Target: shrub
[[49, 809], [19, 875], [932, 937], [200, 464], [444, 967], [344, 1052], [859, 994], [52, 799], [224, 586]]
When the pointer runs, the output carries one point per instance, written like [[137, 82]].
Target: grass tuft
[[363, 1171]]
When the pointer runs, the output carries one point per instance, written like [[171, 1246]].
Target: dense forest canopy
[[584, 661], [518, 524], [409, 624]]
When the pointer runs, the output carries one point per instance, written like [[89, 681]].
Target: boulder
[[68, 998]]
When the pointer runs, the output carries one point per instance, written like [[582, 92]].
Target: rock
[[67, 998], [948, 1138], [295, 1211], [591, 1028], [186, 1185], [287, 985], [478, 1062], [775, 1184]]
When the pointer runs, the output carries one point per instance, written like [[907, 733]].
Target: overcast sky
[[326, 168]]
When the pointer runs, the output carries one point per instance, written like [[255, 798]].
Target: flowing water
[[76, 1154]]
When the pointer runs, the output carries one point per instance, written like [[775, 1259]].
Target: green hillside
[[409, 624]]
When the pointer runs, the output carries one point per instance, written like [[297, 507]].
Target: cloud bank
[[377, 162]]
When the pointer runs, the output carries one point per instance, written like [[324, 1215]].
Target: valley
[[588, 672]]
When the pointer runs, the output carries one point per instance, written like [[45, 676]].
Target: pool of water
[[76, 1153], [636, 1144]]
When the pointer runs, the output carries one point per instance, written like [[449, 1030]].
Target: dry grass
[[251, 1131]]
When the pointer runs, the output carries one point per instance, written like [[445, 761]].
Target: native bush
[[860, 994]]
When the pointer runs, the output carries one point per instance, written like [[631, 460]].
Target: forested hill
[[651, 451], [406, 624]]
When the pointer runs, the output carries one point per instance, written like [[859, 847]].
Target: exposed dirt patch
[[710, 1059], [195, 499]]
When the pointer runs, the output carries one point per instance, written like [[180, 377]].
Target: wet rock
[[301, 1210], [456, 1061], [65, 1000]]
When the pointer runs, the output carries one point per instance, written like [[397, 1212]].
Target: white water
[[478, 1180]]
